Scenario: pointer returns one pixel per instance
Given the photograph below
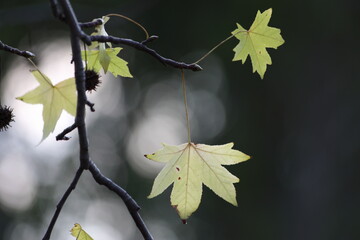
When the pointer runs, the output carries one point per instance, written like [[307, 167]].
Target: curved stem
[[131, 20], [186, 105], [42, 75], [218, 45], [214, 48]]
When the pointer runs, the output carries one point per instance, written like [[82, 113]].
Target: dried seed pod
[[6, 117], [92, 80]]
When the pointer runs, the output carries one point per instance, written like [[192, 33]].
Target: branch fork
[[63, 10]]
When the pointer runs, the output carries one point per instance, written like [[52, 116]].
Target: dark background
[[300, 124]]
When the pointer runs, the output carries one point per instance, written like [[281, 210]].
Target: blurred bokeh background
[[301, 124]]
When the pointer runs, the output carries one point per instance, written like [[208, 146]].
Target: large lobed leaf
[[189, 166], [54, 99], [254, 42]]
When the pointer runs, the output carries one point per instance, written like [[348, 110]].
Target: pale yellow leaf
[[54, 98], [190, 165], [254, 42]]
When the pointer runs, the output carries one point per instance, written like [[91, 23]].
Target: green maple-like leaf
[[254, 42], [80, 233], [105, 58], [108, 60], [55, 99], [189, 166]]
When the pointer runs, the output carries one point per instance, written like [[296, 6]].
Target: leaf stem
[[36, 67], [214, 48], [218, 45], [86, 61], [186, 105], [0, 76], [131, 20]]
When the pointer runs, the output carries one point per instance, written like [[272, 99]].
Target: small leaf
[[54, 99], [105, 58], [189, 166], [254, 42], [80, 233], [108, 60]]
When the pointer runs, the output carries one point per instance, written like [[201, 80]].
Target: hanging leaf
[[254, 42], [189, 166], [54, 99], [80, 233], [107, 60]]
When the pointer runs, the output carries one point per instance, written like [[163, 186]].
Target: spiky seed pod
[[92, 80], [6, 117]]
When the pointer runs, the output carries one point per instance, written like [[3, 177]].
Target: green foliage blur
[[300, 124]]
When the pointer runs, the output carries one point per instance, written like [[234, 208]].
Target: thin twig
[[13, 50], [62, 202], [91, 106], [144, 48], [150, 39], [94, 23], [62, 135], [130, 203]]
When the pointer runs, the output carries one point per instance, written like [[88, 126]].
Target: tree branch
[[71, 20], [57, 10], [62, 202], [13, 50], [130, 203], [144, 48], [85, 164]]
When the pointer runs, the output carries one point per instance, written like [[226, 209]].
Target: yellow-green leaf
[[80, 233], [254, 42], [55, 99], [108, 60], [189, 166]]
